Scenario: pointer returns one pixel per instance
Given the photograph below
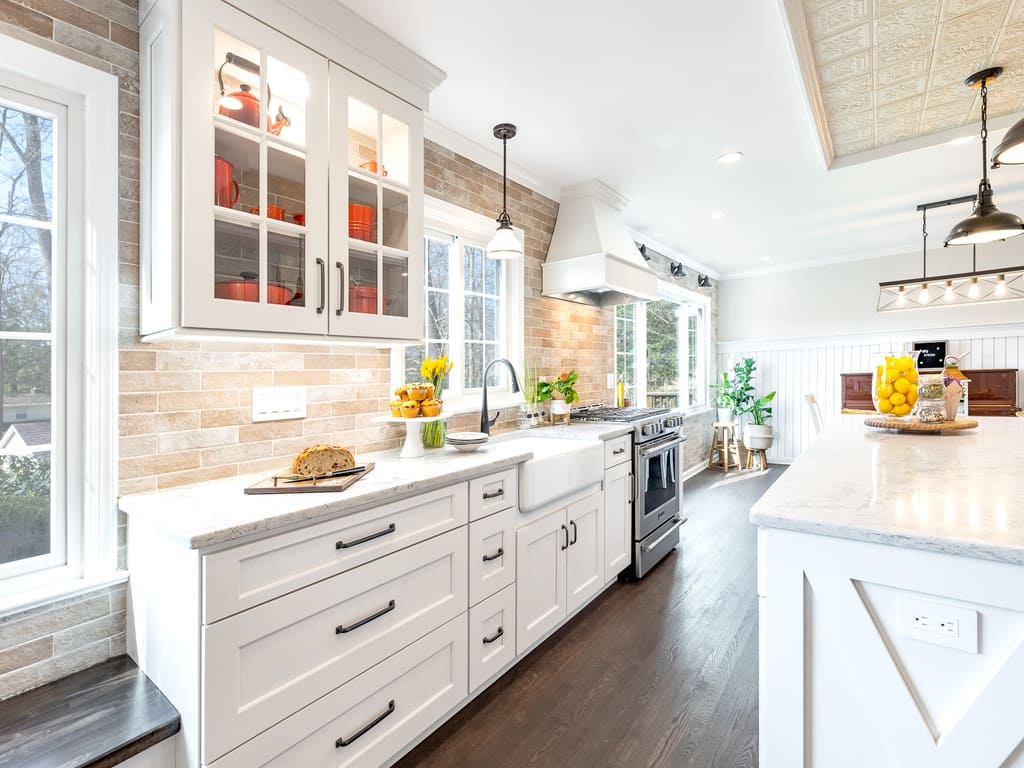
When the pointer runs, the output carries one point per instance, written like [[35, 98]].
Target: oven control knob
[[647, 429]]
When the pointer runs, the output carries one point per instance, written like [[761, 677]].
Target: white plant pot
[[559, 406], [725, 416], [758, 437]]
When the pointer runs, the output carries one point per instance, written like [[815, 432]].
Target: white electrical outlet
[[939, 624], [275, 403], [611, 380]]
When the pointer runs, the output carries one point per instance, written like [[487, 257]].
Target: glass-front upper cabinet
[[254, 197], [376, 236]]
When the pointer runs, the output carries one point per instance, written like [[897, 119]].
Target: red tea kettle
[[243, 105]]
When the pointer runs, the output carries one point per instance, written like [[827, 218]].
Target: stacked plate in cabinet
[[466, 441]]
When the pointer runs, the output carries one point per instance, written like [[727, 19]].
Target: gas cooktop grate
[[607, 413]]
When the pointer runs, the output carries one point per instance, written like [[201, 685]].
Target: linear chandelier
[[974, 287]]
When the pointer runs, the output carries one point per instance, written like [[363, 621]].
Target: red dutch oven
[[248, 289]]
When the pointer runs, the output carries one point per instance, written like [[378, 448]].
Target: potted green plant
[[563, 392], [758, 434], [733, 394], [724, 400]]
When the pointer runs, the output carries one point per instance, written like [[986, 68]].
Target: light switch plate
[[938, 623], [276, 403]]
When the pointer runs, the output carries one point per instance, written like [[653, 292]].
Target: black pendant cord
[[974, 258], [924, 243], [504, 180]]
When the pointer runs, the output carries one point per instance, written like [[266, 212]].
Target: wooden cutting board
[[328, 485], [884, 422]]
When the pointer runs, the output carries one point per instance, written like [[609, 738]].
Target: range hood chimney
[[592, 259]]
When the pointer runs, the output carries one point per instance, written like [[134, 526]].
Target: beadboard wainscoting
[[796, 367]]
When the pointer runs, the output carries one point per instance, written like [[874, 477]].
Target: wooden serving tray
[[885, 422], [328, 485]]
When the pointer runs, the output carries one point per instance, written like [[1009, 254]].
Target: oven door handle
[[678, 524], [645, 451]]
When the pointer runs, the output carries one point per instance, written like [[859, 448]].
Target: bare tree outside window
[[26, 279]]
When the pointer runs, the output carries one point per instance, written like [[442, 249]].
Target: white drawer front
[[398, 699], [492, 554], [492, 636], [493, 493], [244, 576], [618, 450], [266, 663]]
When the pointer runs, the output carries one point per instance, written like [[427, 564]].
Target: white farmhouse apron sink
[[558, 469]]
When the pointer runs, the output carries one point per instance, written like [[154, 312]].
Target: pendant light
[[986, 223], [504, 244]]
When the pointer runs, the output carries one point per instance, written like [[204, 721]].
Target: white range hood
[[593, 259]]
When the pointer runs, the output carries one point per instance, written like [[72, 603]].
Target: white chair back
[[812, 404]]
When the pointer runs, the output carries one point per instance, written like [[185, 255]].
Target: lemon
[[884, 391], [904, 363], [901, 385], [912, 396], [884, 405], [910, 375], [901, 410], [898, 398]]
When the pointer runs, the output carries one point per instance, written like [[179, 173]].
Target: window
[[58, 320], [473, 306], [661, 350]]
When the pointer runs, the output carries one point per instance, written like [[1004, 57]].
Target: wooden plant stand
[[757, 456], [725, 447]]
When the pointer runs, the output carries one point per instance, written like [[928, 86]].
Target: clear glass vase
[[434, 433], [894, 383]]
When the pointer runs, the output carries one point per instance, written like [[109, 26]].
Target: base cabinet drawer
[[493, 493], [618, 450], [492, 554], [492, 636], [263, 665], [370, 719], [245, 576]]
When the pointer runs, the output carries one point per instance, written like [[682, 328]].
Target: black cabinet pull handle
[[566, 532], [495, 636], [575, 533], [617, 451], [497, 494], [341, 629], [356, 542], [495, 556], [341, 288], [323, 287], [343, 742]]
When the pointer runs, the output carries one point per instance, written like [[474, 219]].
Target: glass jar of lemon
[[894, 384]]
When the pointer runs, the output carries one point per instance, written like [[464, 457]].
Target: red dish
[[363, 299], [360, 221], [249, 290]]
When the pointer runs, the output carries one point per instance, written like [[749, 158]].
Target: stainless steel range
[[657, 487]]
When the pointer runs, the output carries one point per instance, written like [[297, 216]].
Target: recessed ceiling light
[[717, 215], [730, 157], [766, 258]]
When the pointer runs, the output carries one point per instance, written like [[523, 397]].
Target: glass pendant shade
[[504, 244], [1011, 149], [986, 224]]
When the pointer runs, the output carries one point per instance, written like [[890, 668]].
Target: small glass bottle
[[931, 398]]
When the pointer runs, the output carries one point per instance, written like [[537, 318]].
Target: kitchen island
[[891, 592]]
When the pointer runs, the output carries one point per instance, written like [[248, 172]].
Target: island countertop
[[961, 493]]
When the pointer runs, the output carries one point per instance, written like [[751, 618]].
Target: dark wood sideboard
[[993, 391]]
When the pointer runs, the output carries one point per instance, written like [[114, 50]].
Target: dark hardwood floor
[[661, 672]]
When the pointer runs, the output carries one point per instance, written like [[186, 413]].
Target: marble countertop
[[960, 493], [214, 513]]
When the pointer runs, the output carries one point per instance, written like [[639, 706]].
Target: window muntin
[[34, 521]]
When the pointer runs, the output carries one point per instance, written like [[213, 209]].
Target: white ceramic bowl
[[467, 437], [466, 447]]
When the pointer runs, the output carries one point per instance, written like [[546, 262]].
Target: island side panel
[[843, 686]]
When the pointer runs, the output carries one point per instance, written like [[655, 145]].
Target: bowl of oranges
[[894, 384]]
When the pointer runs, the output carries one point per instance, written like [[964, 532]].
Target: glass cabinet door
[[376, 180], [254, 141]]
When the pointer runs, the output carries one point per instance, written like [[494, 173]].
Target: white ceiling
[[645, 96]]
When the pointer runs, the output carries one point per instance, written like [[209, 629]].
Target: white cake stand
[[413, 447]]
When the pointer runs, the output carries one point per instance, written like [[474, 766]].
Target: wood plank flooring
[[658, 673]]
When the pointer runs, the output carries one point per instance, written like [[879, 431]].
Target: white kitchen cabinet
[[268, 662], [362, 723], [584, 559], [492, 554], [376, 238], [257, 146], [559, 567], [492, 636], [618, 519]]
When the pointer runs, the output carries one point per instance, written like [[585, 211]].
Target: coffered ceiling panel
[[888, 71]]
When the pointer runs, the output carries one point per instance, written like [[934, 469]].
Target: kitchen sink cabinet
[[281, 193], [559, 567]]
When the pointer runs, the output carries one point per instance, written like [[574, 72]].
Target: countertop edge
[[941, 545]]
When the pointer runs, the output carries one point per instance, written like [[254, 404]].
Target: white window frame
[[680, 295], [85, 375], [476, 229]]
